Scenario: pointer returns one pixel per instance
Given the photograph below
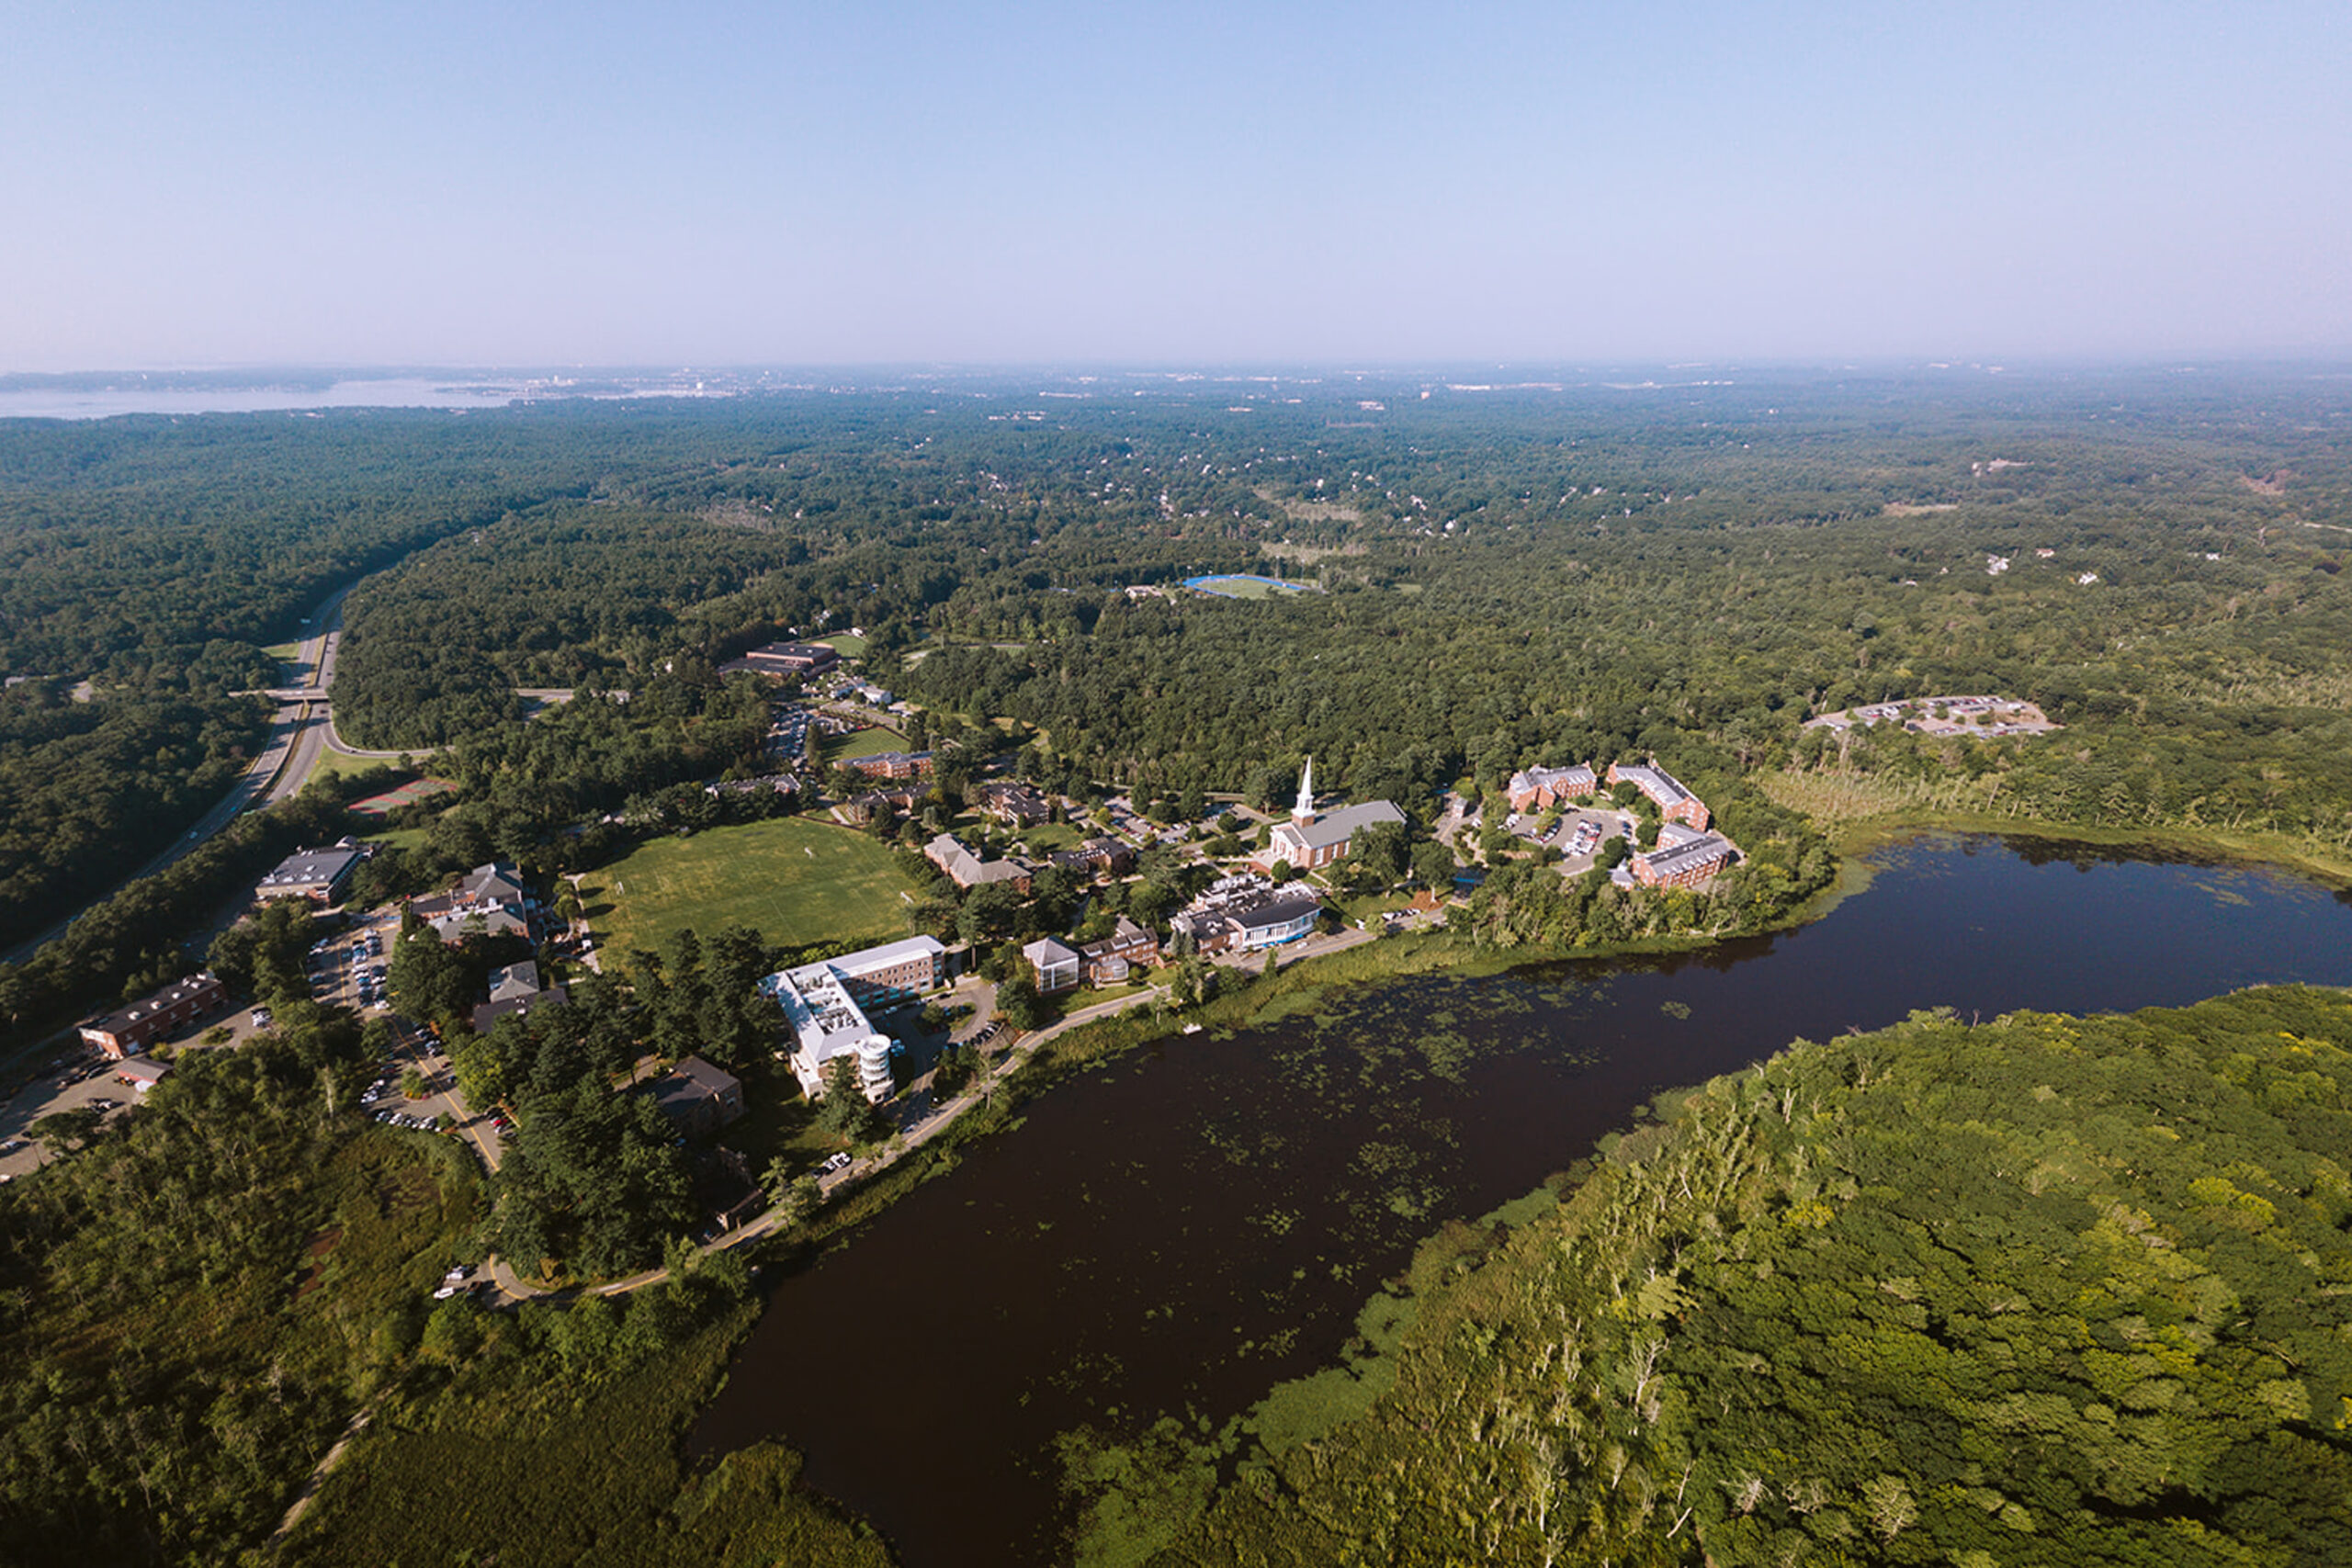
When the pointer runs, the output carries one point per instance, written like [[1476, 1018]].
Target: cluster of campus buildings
[[1689, 852], [1972, 714], [1022, 806]]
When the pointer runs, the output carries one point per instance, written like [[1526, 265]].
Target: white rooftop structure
[[1057, 965], [1577, 779], [1674, 835], [1656, 783], [827, 1023], [874, 960]]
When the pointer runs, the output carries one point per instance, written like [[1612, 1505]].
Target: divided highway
[[296, 736]]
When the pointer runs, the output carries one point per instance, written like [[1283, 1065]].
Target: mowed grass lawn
[[864, 743], [1246, 587], [793, 881]]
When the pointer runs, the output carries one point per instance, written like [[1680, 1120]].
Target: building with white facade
[[1244, 912], [825, 1004], [1058, 965]]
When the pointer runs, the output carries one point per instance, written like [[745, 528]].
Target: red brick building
[[1014, 802], [1675, 804], [790, 659], [1686, 864], [892, 765], [1538, 789], [1129, 947], [130, 1029]]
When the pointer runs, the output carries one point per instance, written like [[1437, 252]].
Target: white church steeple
[[1303, 811]]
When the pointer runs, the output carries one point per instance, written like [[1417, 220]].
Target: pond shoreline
[[1509, 1107]]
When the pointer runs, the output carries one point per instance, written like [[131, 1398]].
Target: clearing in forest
[[1246, 585], [864, 743], [793, 880]]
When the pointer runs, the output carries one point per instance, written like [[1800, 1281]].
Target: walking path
[[513, 1287], [319, 1476]]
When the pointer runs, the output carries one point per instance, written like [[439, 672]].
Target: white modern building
[[1058, 965], [824, 1001]]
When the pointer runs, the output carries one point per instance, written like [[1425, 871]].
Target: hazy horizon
[[922, 187]]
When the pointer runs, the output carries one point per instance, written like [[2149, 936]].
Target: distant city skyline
[[730, 185]]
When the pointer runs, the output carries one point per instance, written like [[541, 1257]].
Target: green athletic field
[[794, 880], [864, 743]]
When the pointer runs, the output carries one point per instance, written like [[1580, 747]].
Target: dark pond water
[[1179, 1231]]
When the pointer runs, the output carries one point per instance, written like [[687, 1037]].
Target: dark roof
[[1699, 851], [796, 652], [153, 1002], [311, 868], [487, 1015], [1278, 911], [496, 880], [710, 1079], [691, 1084], [520, 979]]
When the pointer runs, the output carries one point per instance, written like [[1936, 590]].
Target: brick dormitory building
[[786, 659], [130, 1029]]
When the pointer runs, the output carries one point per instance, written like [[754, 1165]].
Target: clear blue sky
[[864, 180]]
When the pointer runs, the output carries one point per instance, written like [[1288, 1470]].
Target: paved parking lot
[[789, 732], [1578, 848], [73, 1077], [415, 1046], [348, 968], [345, 968]]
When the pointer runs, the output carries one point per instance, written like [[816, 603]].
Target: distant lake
[[57, 402], [1177, 1231]]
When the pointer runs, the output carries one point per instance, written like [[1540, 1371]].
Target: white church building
[[1308, 840]]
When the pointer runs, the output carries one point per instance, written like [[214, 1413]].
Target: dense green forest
[[1518, 574], [146, 933], [2047, 1290], [90, 790], [594, 1183], [1538, 575], [198, 1296]]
